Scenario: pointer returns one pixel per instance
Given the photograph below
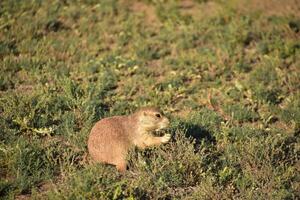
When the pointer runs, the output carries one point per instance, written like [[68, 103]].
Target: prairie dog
[[111, 138]]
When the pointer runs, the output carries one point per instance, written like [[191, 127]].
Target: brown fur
[[111, 138]]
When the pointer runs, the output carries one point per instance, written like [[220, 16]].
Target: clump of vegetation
[[227, 76]]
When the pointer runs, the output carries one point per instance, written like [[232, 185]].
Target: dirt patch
[[148, 11], [199, 11], [271, 7]]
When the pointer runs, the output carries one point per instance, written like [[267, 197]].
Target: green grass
[[225, 72]]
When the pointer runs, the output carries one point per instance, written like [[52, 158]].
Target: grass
[[226, 74]]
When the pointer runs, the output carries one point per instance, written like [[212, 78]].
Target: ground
[[226, 73]]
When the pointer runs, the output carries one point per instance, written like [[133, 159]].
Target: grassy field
[[227, 74]]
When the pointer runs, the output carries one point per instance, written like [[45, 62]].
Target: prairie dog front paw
[[165, 138]]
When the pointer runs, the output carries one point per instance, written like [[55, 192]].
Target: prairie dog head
[[151, 119]]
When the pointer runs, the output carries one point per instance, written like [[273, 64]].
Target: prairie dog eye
[[158, 115]]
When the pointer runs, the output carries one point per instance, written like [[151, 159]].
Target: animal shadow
[[198, 133]]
